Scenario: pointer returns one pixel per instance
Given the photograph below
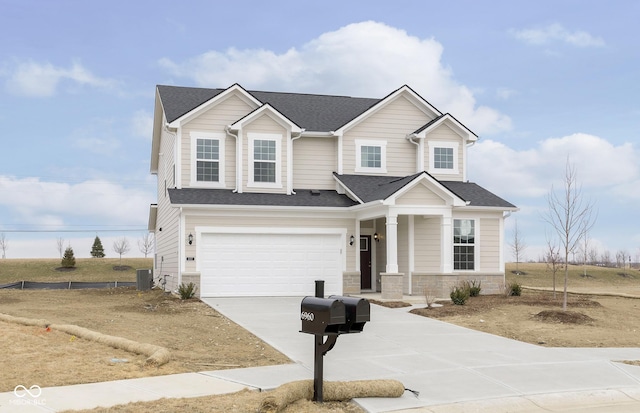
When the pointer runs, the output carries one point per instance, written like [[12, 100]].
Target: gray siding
[[314, 161]]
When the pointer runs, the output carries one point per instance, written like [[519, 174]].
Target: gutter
[[227, 129]]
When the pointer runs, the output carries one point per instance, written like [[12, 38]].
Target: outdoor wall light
[[376, 237], [352, 239], [190, 238]]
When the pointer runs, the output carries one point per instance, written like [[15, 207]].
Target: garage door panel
[[269, 264]]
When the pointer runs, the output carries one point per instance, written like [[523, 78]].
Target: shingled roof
[[318, 113], [373, 188], [302, 198]]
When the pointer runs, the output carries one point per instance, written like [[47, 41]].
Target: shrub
[[514, 289], [187, 291], [459, 294], [474, 287], [429, 297], [68, 260]]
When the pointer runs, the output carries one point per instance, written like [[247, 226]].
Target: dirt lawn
[[198, 337]]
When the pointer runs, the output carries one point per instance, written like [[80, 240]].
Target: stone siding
[[440, 285], [351, 282], [392, 284], [192, 277]]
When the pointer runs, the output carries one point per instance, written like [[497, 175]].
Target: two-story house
[[262, 193]]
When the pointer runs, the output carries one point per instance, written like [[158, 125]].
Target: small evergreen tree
[[97, 251], [68, 260]]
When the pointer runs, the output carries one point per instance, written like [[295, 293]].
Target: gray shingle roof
[[318, 113], [372, 188], [302, 198]]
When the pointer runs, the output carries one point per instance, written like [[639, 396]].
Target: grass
[[87, 269], [537, 275]]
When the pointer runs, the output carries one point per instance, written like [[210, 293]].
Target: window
[[264, 160], [264, 164], [371, 156], [207, 154], [207, 160], [463, 244], [443, 157]]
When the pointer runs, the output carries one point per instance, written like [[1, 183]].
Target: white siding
[[391, 124], [445, 134], [167, 223], [314, 161], [215, 119], [427, 244], [264, 124], [489, 244], [419, 195]]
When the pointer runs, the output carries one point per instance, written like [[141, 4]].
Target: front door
[[365, 262]]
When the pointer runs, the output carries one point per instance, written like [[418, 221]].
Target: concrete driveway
[[446, 364]]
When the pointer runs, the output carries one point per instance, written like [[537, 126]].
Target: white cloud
[[92, 202], [35, 79], [367, 59], [556, 32], [142, 124], [600, 166]]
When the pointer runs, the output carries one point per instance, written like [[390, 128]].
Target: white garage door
[[269, 264]]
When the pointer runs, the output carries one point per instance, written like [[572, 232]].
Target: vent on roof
[[315, 192]]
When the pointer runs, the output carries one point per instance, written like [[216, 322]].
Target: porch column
[[447, 244], [392, 243]]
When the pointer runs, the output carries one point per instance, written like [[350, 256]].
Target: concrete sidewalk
[[454, 369]]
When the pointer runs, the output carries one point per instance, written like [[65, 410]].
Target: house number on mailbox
[[305, 315]]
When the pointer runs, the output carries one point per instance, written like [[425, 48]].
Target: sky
[[541, 83]]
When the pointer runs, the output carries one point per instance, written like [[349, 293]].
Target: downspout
[[290, 162], [419, 152], [238, 161]]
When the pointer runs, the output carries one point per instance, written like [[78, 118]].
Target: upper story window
[[443, 157], [371, 156], [265, 159], [207, 154], [464, 240]]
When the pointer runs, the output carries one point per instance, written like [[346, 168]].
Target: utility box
[[357, 312], [322, 316], [144, 279]]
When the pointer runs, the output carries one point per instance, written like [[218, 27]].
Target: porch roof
[[372, 188]]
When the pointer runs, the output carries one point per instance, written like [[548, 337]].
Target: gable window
[[464, 240], [207, 153], [371, 156], [264, 164], [443, 157]]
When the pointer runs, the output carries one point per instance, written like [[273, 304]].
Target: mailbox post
[[330, 317]]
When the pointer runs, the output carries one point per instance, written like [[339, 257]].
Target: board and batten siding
[[391, 123], [193, 221], [264, 124], [214, 120], [167, 222], [490, 244], [427, 244], [443, 133], [314, 161]]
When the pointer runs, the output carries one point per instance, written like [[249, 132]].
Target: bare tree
[[517, 246], [4, 244], [121, 247], [60, 246], [584, 253], [593, 255], [605, 258], [621, 256], [553, 260], [570, 216], [146, 244]]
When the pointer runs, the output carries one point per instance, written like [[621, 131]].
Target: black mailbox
[[322, 315], [357, 313]]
